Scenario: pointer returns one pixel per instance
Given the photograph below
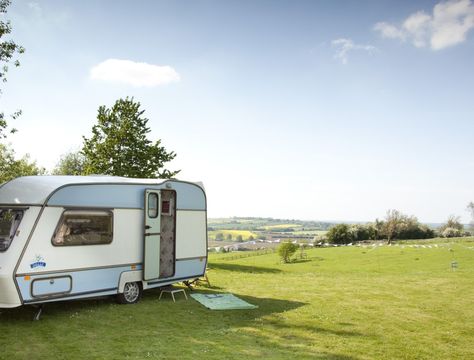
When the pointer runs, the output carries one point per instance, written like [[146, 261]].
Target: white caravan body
[[71, 237]]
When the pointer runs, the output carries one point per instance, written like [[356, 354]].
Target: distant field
[[282, 226], [244, 233], [309, 232], [265, 224], [339, 303]]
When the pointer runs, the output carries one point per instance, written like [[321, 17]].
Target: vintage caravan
[[71, 237]]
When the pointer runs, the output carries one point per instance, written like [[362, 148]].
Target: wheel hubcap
[[131, 291]]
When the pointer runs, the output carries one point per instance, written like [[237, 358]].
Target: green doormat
[[222, 301]]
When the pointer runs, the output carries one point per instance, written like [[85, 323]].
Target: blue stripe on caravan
[[94, 282], [189, 196]]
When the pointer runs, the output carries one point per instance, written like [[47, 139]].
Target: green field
[[281, 226], [244, 233], [339, 303]]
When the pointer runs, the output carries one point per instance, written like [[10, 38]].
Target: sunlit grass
[[339, 303]]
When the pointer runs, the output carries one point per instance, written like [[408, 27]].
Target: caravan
[[72, 237]]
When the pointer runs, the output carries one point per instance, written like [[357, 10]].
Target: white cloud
[[389, 31], [345, 46], [447, 26], [137, 74]]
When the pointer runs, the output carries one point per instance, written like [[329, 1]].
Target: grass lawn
[[340, 303]]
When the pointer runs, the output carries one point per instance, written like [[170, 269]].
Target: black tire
[[132, 293]]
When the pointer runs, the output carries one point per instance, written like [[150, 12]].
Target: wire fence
[[245, 254]]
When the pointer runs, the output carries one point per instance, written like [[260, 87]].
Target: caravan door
[[151, 257]]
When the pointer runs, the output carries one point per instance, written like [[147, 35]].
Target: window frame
[[158, 199], [23, 210], [60, 221]]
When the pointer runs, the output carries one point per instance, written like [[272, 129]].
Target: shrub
[[286, 251], [452, 222], [339, 234], [451, 232], [360, 232]]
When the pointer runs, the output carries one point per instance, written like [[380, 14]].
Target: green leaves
[[119, 144], [8, 50], [11, 168], [70, 164]]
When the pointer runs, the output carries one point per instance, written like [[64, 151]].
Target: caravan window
[[9, 221], [152, 205], [81, 227]]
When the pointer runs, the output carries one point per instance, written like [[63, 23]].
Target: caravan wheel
[[132, 292]]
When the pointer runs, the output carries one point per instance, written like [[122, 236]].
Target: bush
[[286, 251], [360, 232], [339, 234], [451, 232]]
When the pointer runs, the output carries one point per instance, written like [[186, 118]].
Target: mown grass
[[339, 303]]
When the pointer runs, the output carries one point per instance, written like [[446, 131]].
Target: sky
[[316, 110]]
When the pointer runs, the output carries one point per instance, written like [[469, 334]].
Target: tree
[[119, 144], [219, 236], [11, 168], [392, 223], [453, 222], [401, 226], [71, 163], [228, 237], [361, 232], [8, 50], [239, 238], [286, 251], [339, 234], [450, 232]]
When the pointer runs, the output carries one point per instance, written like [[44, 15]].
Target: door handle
[[147, 227]]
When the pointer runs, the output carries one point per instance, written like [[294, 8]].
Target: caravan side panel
[[81, 270], [191, 237], [125, 248]]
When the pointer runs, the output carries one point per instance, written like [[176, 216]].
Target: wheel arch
[[130, 276]]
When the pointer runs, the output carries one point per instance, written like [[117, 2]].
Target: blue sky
[[290, 109]]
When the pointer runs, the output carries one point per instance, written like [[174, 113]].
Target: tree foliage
[[8, 51], [395, 226], [450, 232], [10, 167], [339, 234], [119, 144], [453, 222], [286, 250], [401, 226], [71, 163]]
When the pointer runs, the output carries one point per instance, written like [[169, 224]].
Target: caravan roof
[[39, 190]]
